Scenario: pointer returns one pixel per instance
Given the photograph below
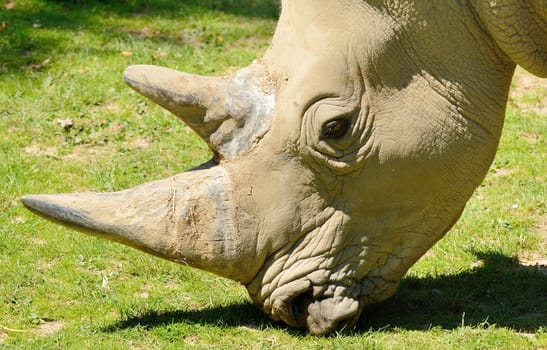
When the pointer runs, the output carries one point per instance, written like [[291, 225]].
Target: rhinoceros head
[[341, 157]]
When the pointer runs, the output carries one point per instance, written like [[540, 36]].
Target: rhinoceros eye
[[335, 129]]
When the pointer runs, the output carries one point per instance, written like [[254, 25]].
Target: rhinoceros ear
[[520, 30], [229, 113]]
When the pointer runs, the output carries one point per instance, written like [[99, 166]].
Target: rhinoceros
[[340, 157]]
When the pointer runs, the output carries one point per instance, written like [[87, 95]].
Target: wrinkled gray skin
[[341, 157]]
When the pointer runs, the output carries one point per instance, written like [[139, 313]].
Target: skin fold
[[341, 156]]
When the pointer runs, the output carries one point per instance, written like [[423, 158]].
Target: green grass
[[477, 289]]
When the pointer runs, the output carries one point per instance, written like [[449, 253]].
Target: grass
[[68, 123]]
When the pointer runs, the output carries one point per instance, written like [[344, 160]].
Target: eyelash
[[335, 129]]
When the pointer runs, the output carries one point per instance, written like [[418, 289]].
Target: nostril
[[300, 307], [296, 310]]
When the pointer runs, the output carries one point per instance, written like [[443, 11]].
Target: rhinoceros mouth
[[315, 284], [319, 315], [324, 308]]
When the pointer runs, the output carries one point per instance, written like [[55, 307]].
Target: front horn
[[188, 218]]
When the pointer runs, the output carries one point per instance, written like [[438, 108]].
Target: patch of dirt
[[191, 37], [530, 336], [65, 123], [534, 259], [542, 232], [142, 295], [430, 254], [38, 150], [144, 292], [246, 41], [114, 128], [38, 241], [531, 137], [46, 264], [525, 81], [524, 84], [502, 172], [85, 151], [144, 33], [542, 229], [17, 220], [249, 327], [37, 66], [477, 264], [109, 106], [191, 340], [141, 142], [48, 328], [3, 336]]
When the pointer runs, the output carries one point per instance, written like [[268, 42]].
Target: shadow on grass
[[230, 316], [32, 31], [247, 8], [500, 292]]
